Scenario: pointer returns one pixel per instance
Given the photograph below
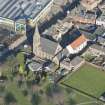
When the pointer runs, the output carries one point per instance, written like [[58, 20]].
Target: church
[[55, 51]]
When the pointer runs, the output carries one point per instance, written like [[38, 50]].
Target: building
[[99, 50], [13, 17], [58, 52], [43, 47], [74, 41], [90, 4], [14, 13], [101, 40]]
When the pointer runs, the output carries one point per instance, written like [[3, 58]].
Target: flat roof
[[35, 66], [11, 9], [90, 4]]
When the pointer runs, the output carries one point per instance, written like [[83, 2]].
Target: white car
[[103, 35]]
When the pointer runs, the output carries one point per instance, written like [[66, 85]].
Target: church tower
[[36, 40]]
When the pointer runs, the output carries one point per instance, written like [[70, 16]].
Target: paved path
[[86, 103]]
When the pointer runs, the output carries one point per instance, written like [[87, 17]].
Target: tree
[[25, 92], [2, 90], [9, 98], [49, 91], [52, 89], [89, 57], [35, 99], [30, 76], [68, 90], [71, 102], [9, 65], [21, 60]]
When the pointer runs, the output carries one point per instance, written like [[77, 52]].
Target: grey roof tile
[[48, 46]]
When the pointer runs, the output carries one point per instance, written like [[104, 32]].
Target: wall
[[78, 49]]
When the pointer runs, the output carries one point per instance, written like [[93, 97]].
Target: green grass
[[21, 100], [88, 79], [74, 95]]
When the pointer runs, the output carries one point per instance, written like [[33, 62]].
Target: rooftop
[[90, 4], [70, 37], [78, 41], [76, 61], [8, 36], [98, 47], [15, 8], [35, 66], [48, 45]]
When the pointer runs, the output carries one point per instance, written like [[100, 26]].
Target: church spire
[[36, 39]]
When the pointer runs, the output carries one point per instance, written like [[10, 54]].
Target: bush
[[71, 102], [2, 90], [41, 91], [25, 92], [35, 99], [52, 89], [49, 90], [89, 57], [68, 90], [9, 98]]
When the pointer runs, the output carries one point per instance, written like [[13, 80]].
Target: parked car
[[62, 72]]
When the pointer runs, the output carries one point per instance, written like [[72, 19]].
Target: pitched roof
[[62, 54], [76, 61], [48, 46], [78, 42], [70, 37]]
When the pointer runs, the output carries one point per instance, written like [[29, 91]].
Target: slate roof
[[76, 61], [11, 8], [48, 46], [98, 47], [101, 40]]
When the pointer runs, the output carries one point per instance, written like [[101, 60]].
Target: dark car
[[3, 49]]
